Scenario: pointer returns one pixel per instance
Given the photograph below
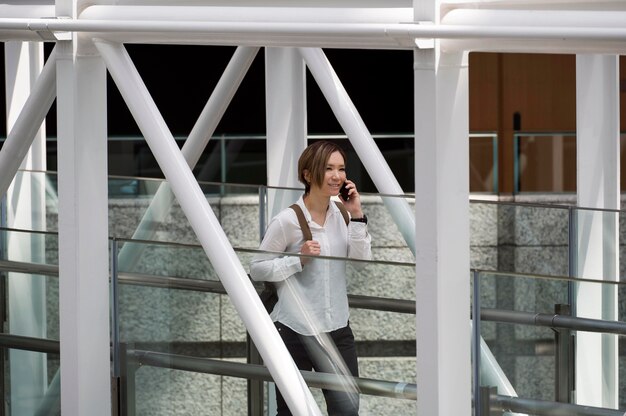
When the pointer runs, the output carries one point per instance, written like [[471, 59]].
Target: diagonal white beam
[[208, 230], [24, 131], [192, 150], [26, 210], [362, 141]]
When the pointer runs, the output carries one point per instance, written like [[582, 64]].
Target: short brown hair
[[314, 159]]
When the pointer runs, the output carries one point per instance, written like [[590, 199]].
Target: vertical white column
[[597, 144], [83, 226], [285, 82], [442, 227], [26, 210]]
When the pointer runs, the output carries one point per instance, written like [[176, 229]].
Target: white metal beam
[[455, 37], [83, 233], [26, 210], [598, 174], [536, 23], [442, 245], [285, 96], [24, 127], [208, 230], [192, 150], [23, 10], [250, 13], [442, 255], [362, 141]]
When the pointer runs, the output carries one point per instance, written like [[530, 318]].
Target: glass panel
[[155, 316], [33, 304], [236, 207], [622, 160], [545, 162], [28, 267], [30, 308], [164, 317], [242, 159], [483, 163], [517, 315], [524, 353], [31, 383], [522, 238], [163, 391], [35, 193], [597, 244], [40, 248]]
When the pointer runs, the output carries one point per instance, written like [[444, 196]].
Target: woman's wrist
[[357, 214], [363, 219]]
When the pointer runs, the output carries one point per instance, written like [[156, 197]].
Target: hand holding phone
[[344, 192]]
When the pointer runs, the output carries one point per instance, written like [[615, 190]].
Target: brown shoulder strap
[[344, 212], [304, 226]]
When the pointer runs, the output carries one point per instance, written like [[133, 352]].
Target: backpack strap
[[304, 226], [344, 212]]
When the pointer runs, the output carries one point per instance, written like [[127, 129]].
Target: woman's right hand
[[309, 248]]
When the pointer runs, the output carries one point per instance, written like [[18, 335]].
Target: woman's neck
[[316, 204]]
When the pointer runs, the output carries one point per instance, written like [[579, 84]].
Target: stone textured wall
[[521, 239]]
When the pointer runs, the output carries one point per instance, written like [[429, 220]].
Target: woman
[[312, 294]]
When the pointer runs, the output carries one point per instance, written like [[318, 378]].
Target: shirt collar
[[332, 208]]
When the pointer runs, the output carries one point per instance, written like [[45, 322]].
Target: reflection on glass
[[525, 322], [521, 238], [545, 162], [242, 159], [166, 316], [31, 395], [483, 163]]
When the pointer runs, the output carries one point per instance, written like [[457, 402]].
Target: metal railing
[[557, 321], [221, 159], [134, 358]]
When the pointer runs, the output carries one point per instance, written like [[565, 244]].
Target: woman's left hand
[[353, 204]]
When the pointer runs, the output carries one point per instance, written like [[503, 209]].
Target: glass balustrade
[[557, 359], [29, 306], [483, 163], [543, 162], [242, 159], [546, 162], [170, 301], [523, 238]]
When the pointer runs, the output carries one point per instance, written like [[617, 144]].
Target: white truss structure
[[90, 37]]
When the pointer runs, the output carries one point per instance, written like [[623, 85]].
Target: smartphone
[[344, 192]]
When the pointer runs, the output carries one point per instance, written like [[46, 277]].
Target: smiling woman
[[312, 310]]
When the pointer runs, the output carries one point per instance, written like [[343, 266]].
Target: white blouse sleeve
[[272, 267], [359, 241]]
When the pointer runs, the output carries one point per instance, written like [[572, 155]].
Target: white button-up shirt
[[311, 299]]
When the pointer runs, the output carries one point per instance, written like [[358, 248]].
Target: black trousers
[[309, 355]]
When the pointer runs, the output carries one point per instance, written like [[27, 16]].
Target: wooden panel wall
[[541, 88]]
